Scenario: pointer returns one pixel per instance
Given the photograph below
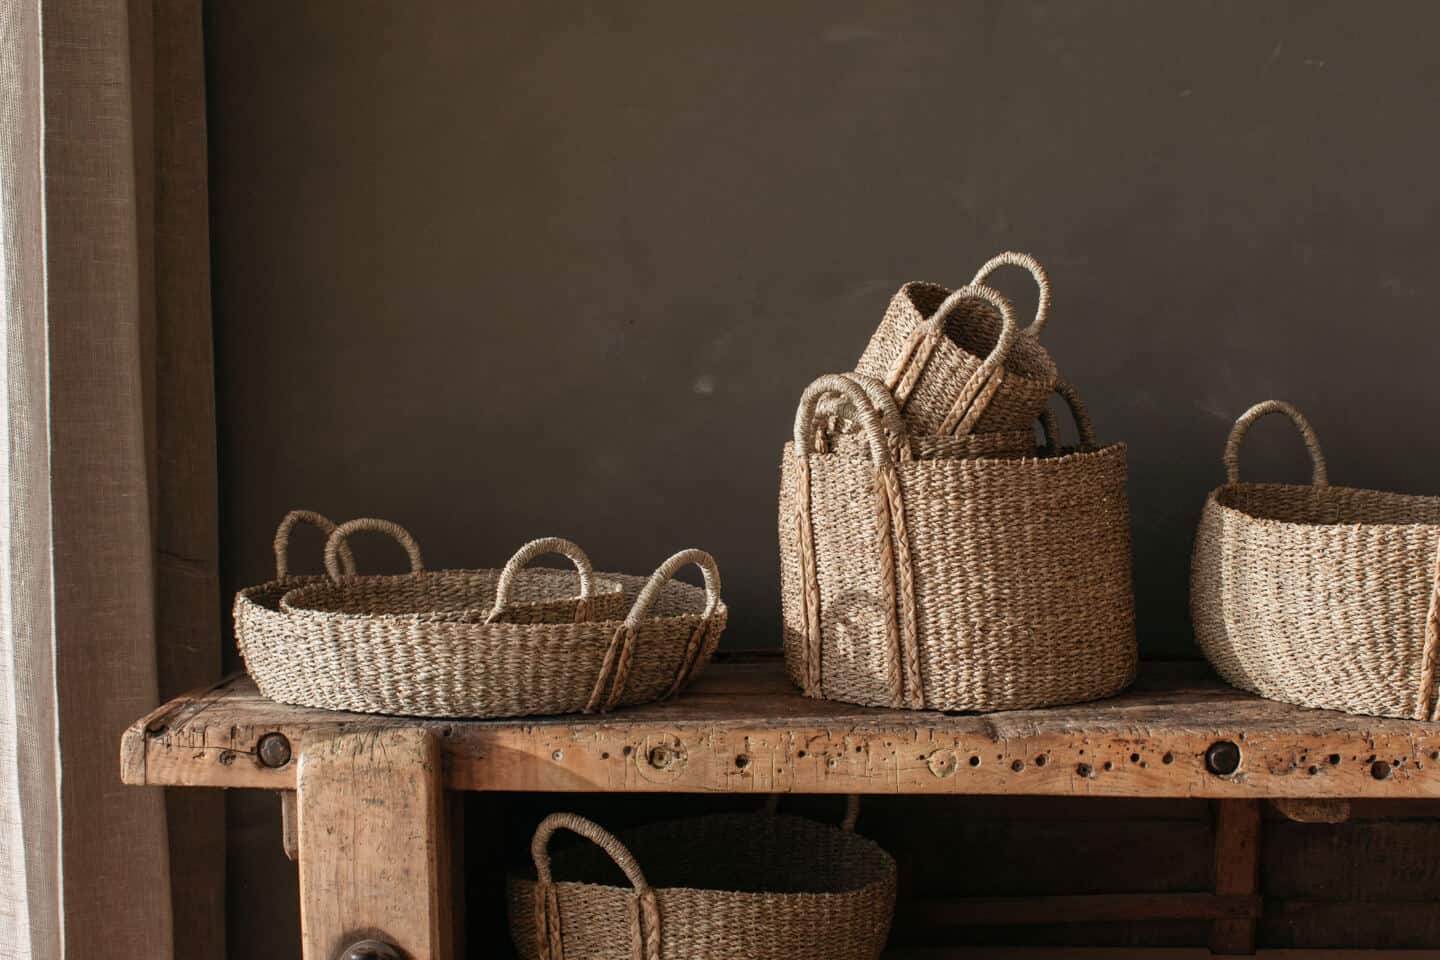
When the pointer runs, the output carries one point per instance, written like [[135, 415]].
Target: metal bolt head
[[274, 750], [371, 950], [1222, 758]]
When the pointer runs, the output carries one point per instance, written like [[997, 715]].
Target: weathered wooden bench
[[366, 811]]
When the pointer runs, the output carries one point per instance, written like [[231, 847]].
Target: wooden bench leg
[[1237, 871], [374, 851]]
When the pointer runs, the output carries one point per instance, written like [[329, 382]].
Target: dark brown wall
[[506, 269]]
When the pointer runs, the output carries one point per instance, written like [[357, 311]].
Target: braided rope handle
[[866, 412], [539, 548], [980, 389], [1431, 651], [341, 534], [1319, 476], [1079, 412], [645, 925], [282, 540], [847, 820], [1042, 281], [615, 665], [881, 399]]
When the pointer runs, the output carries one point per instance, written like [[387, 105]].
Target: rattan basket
[[977, 584], [513, 594], [457, 667], [1317, 595], [757, 886], [957, 362]]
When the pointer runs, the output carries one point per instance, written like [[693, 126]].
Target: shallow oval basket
[[763, 887], [1318, 595]]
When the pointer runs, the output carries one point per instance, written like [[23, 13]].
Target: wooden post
[[374, 854], [1237, 871]]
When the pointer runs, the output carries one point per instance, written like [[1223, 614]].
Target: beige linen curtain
[[108, 590]]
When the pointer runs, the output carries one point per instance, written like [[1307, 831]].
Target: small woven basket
[[1317, 595], [957, 363], [455, 666], [982, 584], [511, 595], [728, 885]]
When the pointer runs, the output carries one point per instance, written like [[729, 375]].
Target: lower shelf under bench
[[379, 855]]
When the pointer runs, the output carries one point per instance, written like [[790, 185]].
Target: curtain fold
[[108, 543]]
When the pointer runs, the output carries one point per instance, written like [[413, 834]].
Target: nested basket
[[513, 594], [1317, 595], [762, 887], [445, 666], [956, 362], [970, 584]]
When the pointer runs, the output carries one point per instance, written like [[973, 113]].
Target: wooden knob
[[371, 950]]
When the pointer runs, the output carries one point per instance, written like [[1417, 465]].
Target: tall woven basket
[[975, 584], [340, 645], [956, 362], [756, 886], [1318, 595]]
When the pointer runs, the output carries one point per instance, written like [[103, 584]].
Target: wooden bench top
[[742, 728]]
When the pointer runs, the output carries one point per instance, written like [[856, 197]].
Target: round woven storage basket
[[956, 362], [979, 584], [756, 886], [1317, 595], [442, 667], [511, 595]]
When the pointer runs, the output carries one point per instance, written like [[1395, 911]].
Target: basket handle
[[538, 548], [1042, 280], [978, 391], [341, 534], [1079, 412], [884, 403], [1319, 476], [847, 820], [869, 417], [282, 540], [666, 572], [645, 924], [615, 665]]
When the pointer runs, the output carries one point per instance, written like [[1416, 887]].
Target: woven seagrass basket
[[977, 584], [838, 428], [444, 666], [1317, 595], [761, 887], [511, 595], [956, 362]]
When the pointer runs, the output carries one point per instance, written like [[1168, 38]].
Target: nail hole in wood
[[742, 761], [1041, 760], [974, 761], [1083, 769], [1108, 765], [1134, 758], [1380, 770], [1334, 759], [1018, 766], [1168, 758]]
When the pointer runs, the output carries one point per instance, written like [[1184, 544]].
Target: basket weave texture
[[443, 666], [1318, 595], [976, 584], [956, 362], [729, 885]]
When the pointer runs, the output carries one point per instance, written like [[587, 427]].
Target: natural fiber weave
[[957, 363], [512, 595], [1317, 595], [751, 886], [427, 666], [982, 584]]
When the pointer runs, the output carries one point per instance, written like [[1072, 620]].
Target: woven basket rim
[[604, 585], [1213, 499], [1068, 456], [883, 861]]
